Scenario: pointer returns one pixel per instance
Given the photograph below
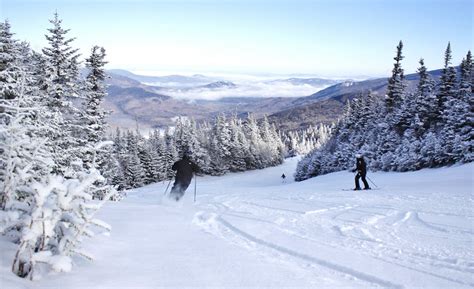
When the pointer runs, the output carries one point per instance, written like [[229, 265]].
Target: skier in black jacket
[[361, 168], [185, 170]]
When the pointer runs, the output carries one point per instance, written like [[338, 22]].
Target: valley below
[[291, 103]]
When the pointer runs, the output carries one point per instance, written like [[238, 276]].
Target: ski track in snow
[[417, 231], [404, 232]]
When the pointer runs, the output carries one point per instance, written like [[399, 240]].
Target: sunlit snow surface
[[250, 230]]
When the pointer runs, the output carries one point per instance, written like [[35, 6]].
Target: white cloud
[[245, 89]]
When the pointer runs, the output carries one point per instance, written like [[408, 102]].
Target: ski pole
[[167, 186], [368, 179], [195, 188], [371, 181]]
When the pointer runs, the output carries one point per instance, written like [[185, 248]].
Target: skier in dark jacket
[[185, 170], [283, 177], [361, 168]]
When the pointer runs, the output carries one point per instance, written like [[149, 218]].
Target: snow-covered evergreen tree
[[171, 154], [396, 86], [61, 216], [9, 70], [61, 87], [252, 133], [94, 114], [25, 157], [426, 101], [447, 83], [195, 150], [457, 130], [465, 108], [220, 146], [133, 170], [61, 64], [239, 147], [449, 106]]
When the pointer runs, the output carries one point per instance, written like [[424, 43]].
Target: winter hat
[[358, 156]]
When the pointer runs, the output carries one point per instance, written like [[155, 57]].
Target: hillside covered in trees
[[403, 131], [225, 146]]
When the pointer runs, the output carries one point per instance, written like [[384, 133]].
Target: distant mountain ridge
[[219, 84], [326, 106], [131, 100], [309, 81], [175, 80]]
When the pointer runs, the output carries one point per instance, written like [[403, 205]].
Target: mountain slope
[[326, 105], [132, 103], [249, 230]]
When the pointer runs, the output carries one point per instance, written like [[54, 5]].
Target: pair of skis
[[371, 189], [164, 194]]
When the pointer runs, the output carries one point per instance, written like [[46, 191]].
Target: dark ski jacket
[[185, 169], [361, 167]]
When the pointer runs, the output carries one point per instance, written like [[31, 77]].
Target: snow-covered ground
[[251, 230]]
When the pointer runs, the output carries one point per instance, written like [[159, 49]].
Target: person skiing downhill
[[185, 170], [361, 168], [283, 177]]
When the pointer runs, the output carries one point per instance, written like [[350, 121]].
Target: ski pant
[[358, 176], [178, 189]]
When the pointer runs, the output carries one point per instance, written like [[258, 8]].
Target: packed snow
[[252, 230]]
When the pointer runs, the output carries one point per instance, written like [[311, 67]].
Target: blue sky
[[326, 38]]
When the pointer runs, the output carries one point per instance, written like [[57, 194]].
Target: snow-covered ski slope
[[249, 230]]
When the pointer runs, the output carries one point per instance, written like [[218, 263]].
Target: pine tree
[[9, 71], [171, 155], [458, 118], [426, 102], [446, 90], [119, 161], [61, 87], [94, 118], [134, 173], [238, 146], [220, 146], [61, 64], [466, 124], [9, 76], [96, 92], [448, 108], [268, 150], [149, 172], [155, 170], [158, 150], [133, 169], [396, 86], [196, 151], [278, 147], [25, 155], [252, 133]]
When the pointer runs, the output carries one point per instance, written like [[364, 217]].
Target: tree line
[[303, 141], [226, 145], [403, 131]]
